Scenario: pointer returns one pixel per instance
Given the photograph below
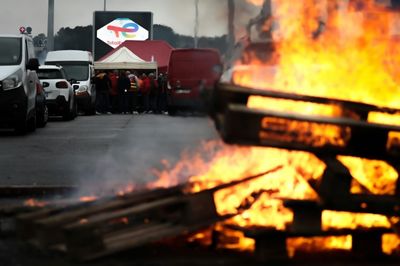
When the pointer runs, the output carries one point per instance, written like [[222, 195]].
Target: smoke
[[41, 56], [138, 150], [244, 12]]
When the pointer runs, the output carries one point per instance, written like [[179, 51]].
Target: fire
[[377, 176], [87, 198], [35, 203], [345, 52], [356, 57]]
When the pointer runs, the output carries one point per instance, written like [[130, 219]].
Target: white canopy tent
[[124, 58]]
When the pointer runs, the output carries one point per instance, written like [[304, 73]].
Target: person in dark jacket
[[133, 93], [154, 93], [145, 91], [124, 85], [103, 87], [163, 90], [114, 98]]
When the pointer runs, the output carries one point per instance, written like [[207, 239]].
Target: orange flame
[[35, 203], [87, 198], [326, 49]]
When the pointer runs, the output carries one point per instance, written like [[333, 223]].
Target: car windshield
[[79, 72], [50, 74], [10, 51]]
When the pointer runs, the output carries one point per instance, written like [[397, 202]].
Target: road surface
[[98, 152]]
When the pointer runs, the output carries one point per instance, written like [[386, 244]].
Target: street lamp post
[[105, 5], [196, 26], [50, 26]]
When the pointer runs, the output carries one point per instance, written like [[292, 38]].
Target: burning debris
[[317, 104], [324, 83], [93, 229]]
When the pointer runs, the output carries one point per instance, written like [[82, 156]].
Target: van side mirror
[[33, 64]]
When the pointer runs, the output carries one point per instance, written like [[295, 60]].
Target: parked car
[[59, 92], [18, 83], [42, 111], [190, 71], [78, 66]]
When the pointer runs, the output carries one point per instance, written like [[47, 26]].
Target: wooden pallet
[[91, 230], [271, 128]]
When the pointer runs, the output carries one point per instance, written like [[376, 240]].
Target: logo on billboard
[[121, 30]]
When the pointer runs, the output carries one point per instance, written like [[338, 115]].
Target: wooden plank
[[145, 208], [125, 241], [238, 117], [271, 232], [231, 92], [336, 175], [36, 191], [50, 229], [167, 217], [376, 204]]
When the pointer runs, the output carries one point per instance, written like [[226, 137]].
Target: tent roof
[[123, 58], [158, 51]]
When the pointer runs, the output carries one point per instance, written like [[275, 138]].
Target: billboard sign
[[121, 30], [111, 29]]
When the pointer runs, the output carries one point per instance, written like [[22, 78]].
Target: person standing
[[124, 85], [113, 75], [163, 89], [145, 91], [103, 87], [154, 93], [133, 93]]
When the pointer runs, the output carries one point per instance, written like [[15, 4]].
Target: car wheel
[[31, 125], [75, 109], [43, 117], [70, 114]]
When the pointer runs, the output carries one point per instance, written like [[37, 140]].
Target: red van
[[189, 72]]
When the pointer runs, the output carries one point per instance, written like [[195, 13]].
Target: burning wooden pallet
[[91, 230], [290, 131]]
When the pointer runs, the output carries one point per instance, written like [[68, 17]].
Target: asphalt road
[[98, 152]]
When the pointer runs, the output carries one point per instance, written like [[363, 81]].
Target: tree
[[78, 38], [161, 32], [40, 40]]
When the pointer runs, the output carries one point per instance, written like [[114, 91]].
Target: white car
[[60, 96]]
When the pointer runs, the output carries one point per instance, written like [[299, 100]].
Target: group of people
[[125, 92]]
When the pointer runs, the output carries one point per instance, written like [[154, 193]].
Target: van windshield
[[73, 70], [10, 51]]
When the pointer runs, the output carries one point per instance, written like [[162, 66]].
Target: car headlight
[[82, 89], [12, 82]]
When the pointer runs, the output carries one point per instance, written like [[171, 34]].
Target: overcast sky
[[178, 14]]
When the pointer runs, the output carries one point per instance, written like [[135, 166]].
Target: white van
[[19, 83], [78, 66]]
